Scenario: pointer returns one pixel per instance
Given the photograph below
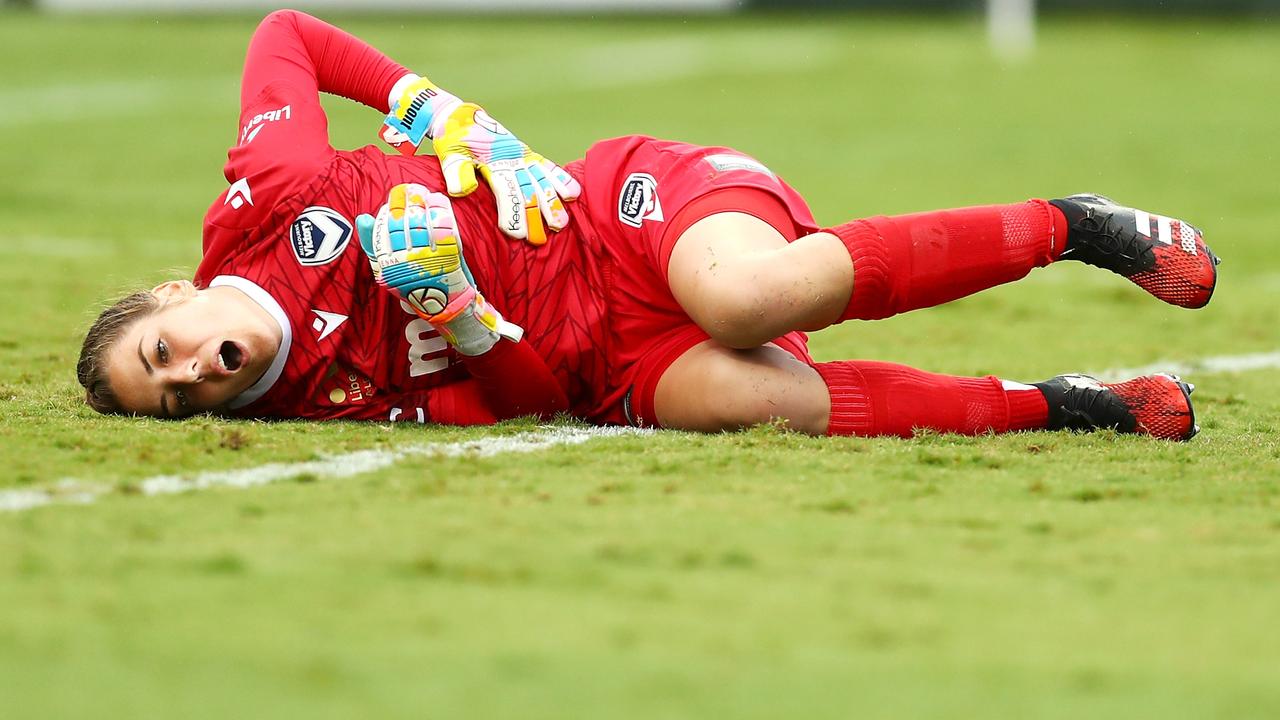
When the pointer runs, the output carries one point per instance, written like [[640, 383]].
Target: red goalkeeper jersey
[[284, 233]]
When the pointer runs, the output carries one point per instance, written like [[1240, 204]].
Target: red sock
[[877, 398], [915, 261]]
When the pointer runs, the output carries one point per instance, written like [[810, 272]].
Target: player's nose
[[185, 371], [193, 372]]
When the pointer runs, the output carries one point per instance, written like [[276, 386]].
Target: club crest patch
[[638, 200], [319, 235]]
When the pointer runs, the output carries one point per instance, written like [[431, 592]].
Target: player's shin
[[907, 262], [878, 398]]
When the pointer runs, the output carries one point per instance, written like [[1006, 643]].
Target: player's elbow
[[285, 16]]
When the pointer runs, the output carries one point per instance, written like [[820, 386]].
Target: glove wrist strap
[[472, 326]]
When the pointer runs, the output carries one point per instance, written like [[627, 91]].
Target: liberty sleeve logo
[[319, 235], [259, 121], [639, 200]]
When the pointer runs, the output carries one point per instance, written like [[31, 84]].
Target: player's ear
[[174, 291]]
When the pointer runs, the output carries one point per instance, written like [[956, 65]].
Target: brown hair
[[91, 370]]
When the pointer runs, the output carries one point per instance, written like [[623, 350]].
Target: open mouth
[[230, 356]]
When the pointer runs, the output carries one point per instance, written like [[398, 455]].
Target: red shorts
[[640, 195]]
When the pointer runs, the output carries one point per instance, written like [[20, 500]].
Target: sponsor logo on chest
[[319, 236], [343, 386]]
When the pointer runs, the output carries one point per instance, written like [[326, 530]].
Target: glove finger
[[548, 201], [440, 219], [397, 235], [537, 234], [380, 238], [508, 199], [413, 223], [565, 185], [459, 173], [364, 229]]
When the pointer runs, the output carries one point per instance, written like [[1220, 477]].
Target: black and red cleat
[[1162, 255], [1157, 405]]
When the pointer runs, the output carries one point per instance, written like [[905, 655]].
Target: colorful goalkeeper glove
[[415, 249], [526, 186]]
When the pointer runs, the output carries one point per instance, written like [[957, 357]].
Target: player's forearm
[[516, 381], [340, 63]]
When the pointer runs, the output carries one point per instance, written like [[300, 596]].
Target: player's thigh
[[712, 388], [718, 266]]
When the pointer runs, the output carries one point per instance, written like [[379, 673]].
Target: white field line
[[71, 492], [1203, 366]]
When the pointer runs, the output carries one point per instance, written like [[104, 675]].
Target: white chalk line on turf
[[1204, 366], [73, 492]]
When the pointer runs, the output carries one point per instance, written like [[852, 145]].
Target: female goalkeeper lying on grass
[[674, 294]]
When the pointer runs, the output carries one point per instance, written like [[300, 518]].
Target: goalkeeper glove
[[415, 250], [526, 186]]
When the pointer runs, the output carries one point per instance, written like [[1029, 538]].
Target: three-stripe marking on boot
[[1167, 229]]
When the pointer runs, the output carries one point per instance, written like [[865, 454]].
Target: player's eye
[[162, 352]]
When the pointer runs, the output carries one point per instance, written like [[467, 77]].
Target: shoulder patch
[[319, 236], [725, 162], [638, 200]]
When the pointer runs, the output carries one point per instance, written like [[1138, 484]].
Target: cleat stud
[[1191, 387]]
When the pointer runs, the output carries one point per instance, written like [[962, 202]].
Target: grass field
[[756, 575]]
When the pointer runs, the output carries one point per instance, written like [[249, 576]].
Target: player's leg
[[740, 279], [907, 262], [744, 284], [712, 388]]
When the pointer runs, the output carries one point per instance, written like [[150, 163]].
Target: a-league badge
[[639, 200]]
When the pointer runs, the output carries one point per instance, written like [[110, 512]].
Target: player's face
[[200, 350]]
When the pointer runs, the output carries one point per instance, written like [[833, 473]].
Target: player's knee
[[734, 315]]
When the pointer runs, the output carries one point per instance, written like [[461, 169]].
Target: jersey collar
[[268, 303]]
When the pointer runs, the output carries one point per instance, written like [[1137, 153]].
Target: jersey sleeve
[[511, 380], [292, 58], [282, 147], [457, 403]]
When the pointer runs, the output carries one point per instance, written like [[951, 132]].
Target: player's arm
[[508, 381], [292, 58], [304, 52]]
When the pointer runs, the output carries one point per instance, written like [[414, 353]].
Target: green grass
[[756, 575]]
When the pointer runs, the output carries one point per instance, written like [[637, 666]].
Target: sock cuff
[[1058, 229], [871, 271], [852, 412], [1028, 409]]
